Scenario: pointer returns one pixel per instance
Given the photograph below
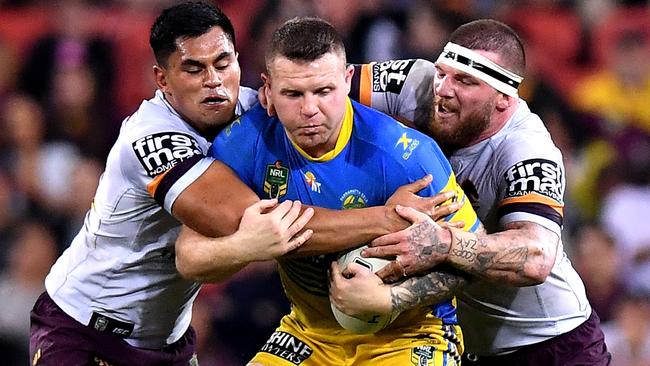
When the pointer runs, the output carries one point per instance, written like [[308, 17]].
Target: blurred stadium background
[[70, 70]]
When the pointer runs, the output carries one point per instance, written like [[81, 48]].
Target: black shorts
[[582, 346]]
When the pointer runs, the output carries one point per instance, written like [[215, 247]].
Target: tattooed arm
[[428, 289], [359, 291], [522, 255]]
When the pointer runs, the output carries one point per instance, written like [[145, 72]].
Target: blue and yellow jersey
[[373, 157]]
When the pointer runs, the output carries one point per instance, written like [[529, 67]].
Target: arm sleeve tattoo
[[428, 289]]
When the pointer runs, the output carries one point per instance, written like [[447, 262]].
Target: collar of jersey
[[341, 142]]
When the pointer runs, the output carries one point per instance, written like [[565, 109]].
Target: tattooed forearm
[[510, 259], [523, 254], [424, 237], [426, 246], [425, 290]]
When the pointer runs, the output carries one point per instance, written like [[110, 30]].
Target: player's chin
[[221, 115], [222, 107], [444, 118], [310, 141]]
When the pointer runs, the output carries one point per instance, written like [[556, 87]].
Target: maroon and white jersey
[[518, 175], [120, 271], [515, 175]]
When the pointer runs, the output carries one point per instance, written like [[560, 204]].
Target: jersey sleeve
[[420, 156], [400, 88], [235, 146], [163, 159], [532, 182]]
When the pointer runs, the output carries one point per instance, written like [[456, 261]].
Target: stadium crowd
[[71, 69]]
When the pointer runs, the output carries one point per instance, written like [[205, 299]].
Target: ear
[[266, 89], [505, 101], [349, 72], [160, 77]]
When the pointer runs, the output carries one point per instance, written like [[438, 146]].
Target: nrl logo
[[275, 180]]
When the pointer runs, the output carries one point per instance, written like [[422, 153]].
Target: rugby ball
[[373, 322]]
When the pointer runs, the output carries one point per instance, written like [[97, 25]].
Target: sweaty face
[[310, 99], [463, 107], [201, 80]]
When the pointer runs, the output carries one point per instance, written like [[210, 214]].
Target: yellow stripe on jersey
[[466, 212], [342, 140]]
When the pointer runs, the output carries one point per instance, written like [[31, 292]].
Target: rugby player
[[525, 304], [327, 150], [115, 296]]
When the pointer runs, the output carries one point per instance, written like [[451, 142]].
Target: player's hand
[[262, 97], [358, 292], [272, 230], [416, 249], [435, 206]]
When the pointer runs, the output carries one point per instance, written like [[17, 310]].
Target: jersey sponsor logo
[[389, 76], [162, 151], [408, 145], [540, 176], [310, 178], [276, 180], [353, 198], [404, 141], [422, 355], [288, 347]]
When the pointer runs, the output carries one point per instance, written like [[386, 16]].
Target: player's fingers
[[445, 210], [411, 214], [335, 278], [392, 272], [380, 252], [441, 197], [263, 206], [297, 241], [419, 184], [388, 239], [292, 213], [299, 223], [456, 224], [355, 269], [281, 210], [288, 216]]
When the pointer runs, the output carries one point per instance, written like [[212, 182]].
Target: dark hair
[[186, 20], [493, 36], [304, 39]]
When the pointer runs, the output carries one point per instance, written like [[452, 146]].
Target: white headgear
[[473, 63]]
